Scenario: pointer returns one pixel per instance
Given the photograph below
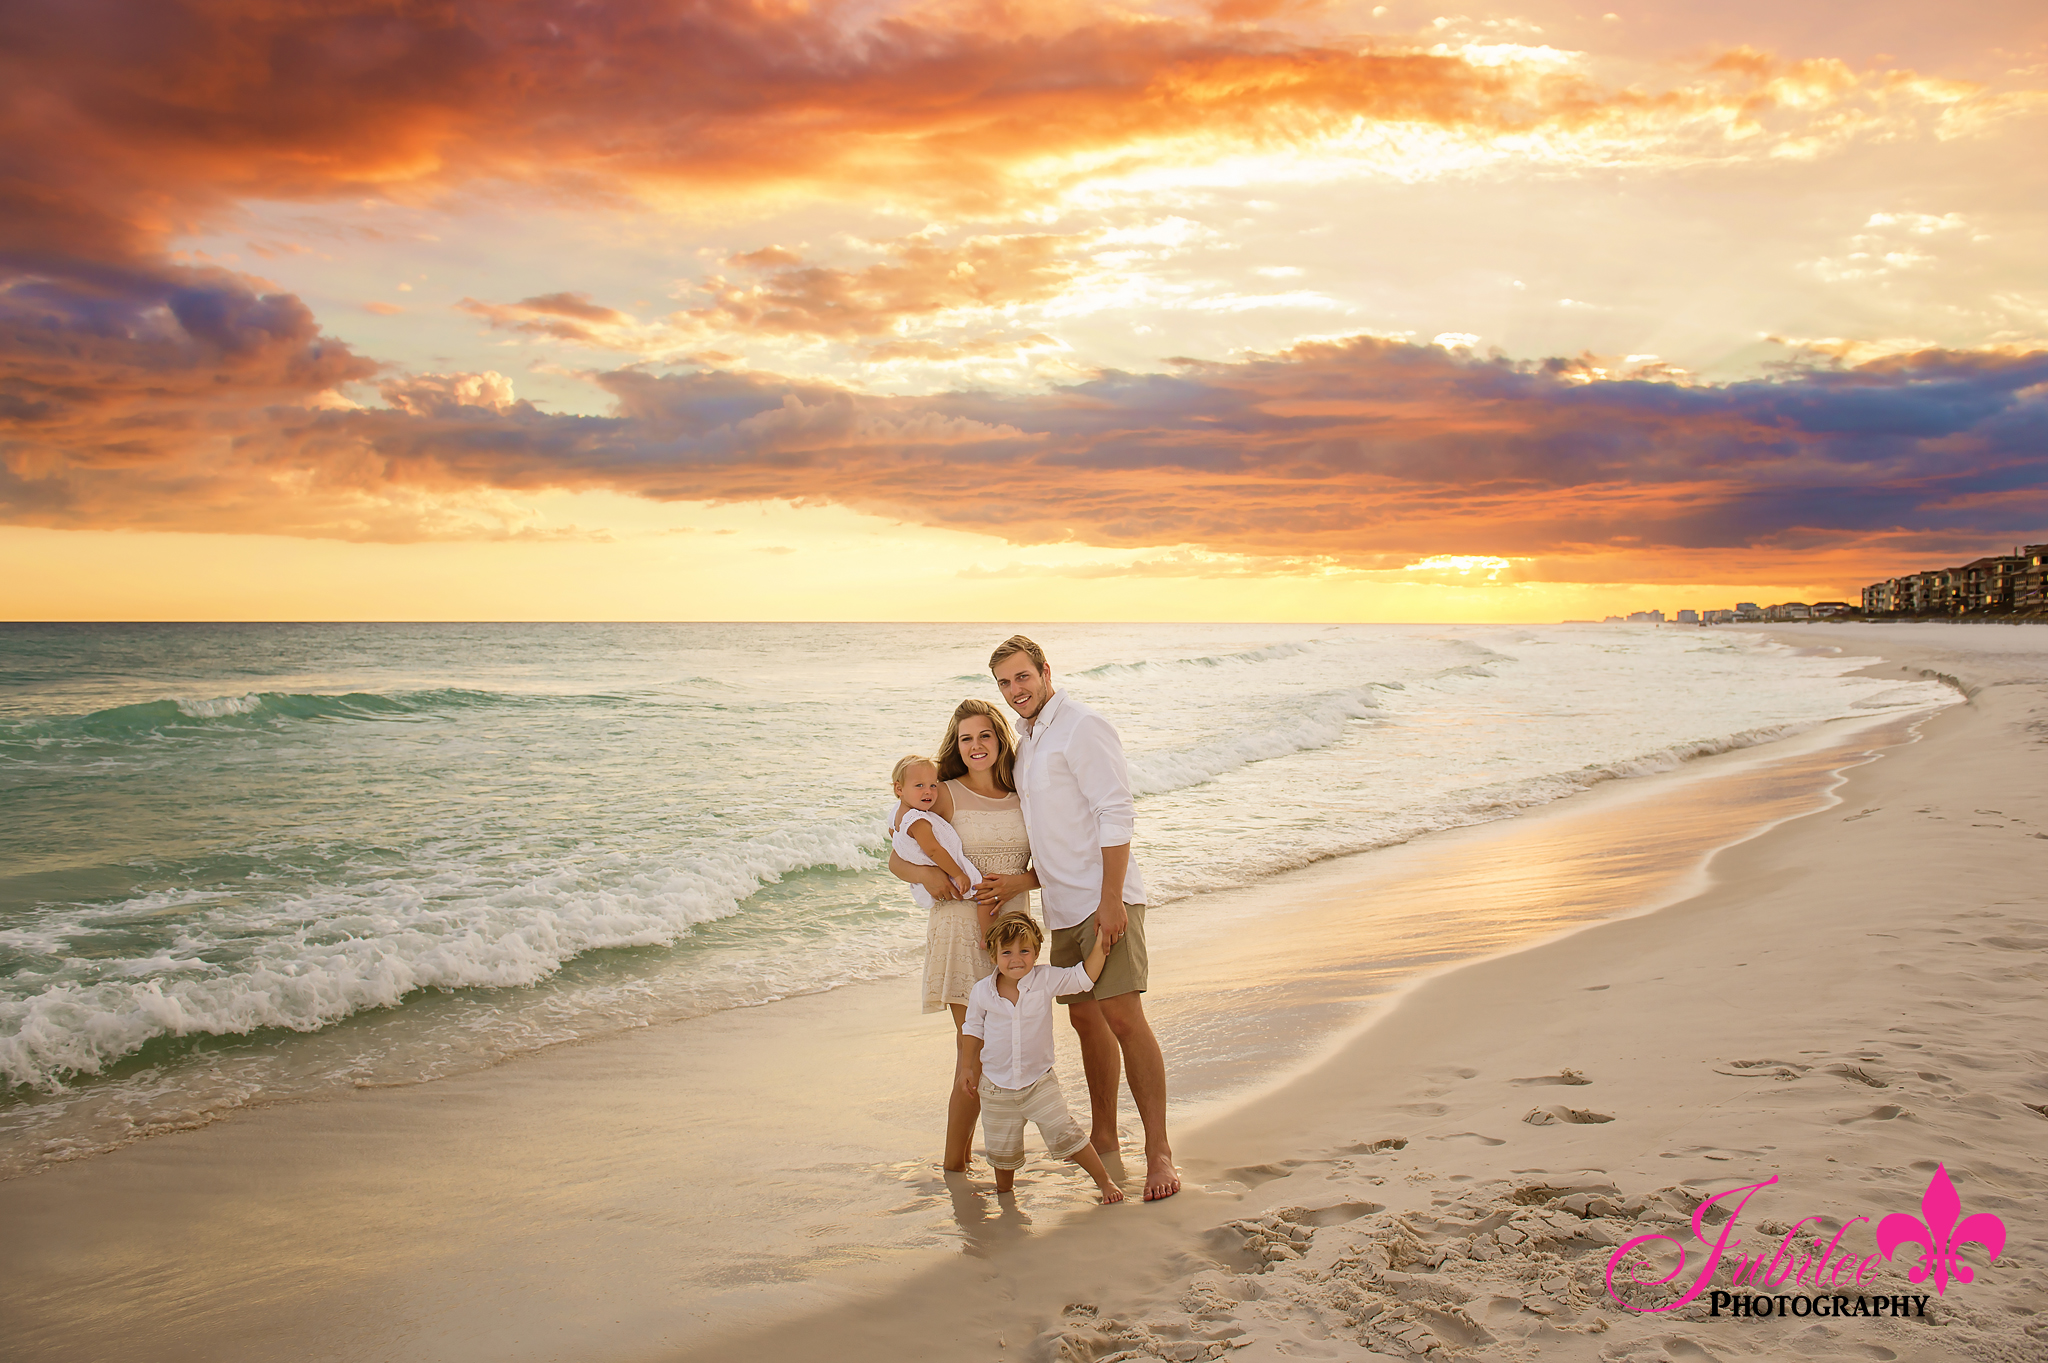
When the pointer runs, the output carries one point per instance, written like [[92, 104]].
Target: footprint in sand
[[1375, 1147], [1561, 1077], [1888, 1112], [1550, 1116], [1252, 1175], [1469, 1136], [1764, 1069], [1856, 1075]]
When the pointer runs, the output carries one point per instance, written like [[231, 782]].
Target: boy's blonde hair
[[1009, 928], [903, 766]]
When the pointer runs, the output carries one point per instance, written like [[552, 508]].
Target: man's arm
[[1096, 757], [1111, 917]]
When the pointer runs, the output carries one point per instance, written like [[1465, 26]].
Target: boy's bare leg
[[1102, 1063], [963, 1109], [1005, 1180], [1145, 1066], [1092, 1162]]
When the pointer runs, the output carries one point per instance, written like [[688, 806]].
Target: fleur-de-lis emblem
[[1940, 1233]]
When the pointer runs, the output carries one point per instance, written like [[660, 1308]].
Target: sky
[[1236, 310]]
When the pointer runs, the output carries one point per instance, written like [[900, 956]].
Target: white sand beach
[[1846, 996]]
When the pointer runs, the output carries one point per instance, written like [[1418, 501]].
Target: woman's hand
[[970, 1079], [994, 891]]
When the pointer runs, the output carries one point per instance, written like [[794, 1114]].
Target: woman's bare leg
[[963, 1109]]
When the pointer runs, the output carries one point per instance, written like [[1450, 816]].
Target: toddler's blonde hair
[[905, 763], [1009, 928]]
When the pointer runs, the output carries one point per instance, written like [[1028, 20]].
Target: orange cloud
[[1363, 454]]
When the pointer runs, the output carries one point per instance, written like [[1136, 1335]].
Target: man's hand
[[1112, 920]]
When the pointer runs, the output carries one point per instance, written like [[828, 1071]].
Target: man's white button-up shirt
[[1076, 792], [1016, 1038]]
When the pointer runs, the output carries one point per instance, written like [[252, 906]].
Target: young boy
[[1006, 1052], [920, 836]]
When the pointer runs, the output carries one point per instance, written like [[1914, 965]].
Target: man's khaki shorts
[[1126, 970]]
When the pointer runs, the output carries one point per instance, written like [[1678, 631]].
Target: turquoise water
[[241, 862]]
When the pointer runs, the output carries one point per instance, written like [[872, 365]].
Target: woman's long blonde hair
[[952, 767]]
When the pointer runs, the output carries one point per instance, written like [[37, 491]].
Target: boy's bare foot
[[1161, 1178], [1006, 1179], [1111, 1193]]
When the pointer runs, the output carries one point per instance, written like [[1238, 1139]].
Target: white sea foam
[[218, 707], [321, 958]]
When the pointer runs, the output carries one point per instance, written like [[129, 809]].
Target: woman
[[978, 797]]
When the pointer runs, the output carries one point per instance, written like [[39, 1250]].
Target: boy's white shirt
[[907, 848], [1016, 1038]]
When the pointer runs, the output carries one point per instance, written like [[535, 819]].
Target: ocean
[[240, 863]]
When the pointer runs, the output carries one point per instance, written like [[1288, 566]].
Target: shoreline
[[604, 1142]]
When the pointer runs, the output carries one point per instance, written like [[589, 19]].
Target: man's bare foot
[[1161, 1178]]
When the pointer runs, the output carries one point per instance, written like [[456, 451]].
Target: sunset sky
[[1247, 309]]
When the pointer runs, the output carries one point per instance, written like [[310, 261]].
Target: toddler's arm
[[1098, 953], [936, 882], [933, 848], [970, 1063]]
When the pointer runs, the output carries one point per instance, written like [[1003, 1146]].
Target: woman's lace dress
[[992, 834]]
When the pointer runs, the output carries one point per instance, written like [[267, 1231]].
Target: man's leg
[[1146, 1068], [1102, 1063]]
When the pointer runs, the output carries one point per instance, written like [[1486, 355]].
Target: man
[[1076, 792]]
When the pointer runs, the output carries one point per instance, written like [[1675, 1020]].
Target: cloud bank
[[1347, 451]]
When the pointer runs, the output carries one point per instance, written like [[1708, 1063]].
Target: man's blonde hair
[[1017, 643], [1012, 927], [903, 766]]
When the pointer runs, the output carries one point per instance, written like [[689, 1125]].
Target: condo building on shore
[[2002, 584]]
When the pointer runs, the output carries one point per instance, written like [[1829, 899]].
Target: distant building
[[1646, 617], [1614, 620], [1745, 608], [1717, 617], [1823, 610], [1688, 617], [1998, 584]]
